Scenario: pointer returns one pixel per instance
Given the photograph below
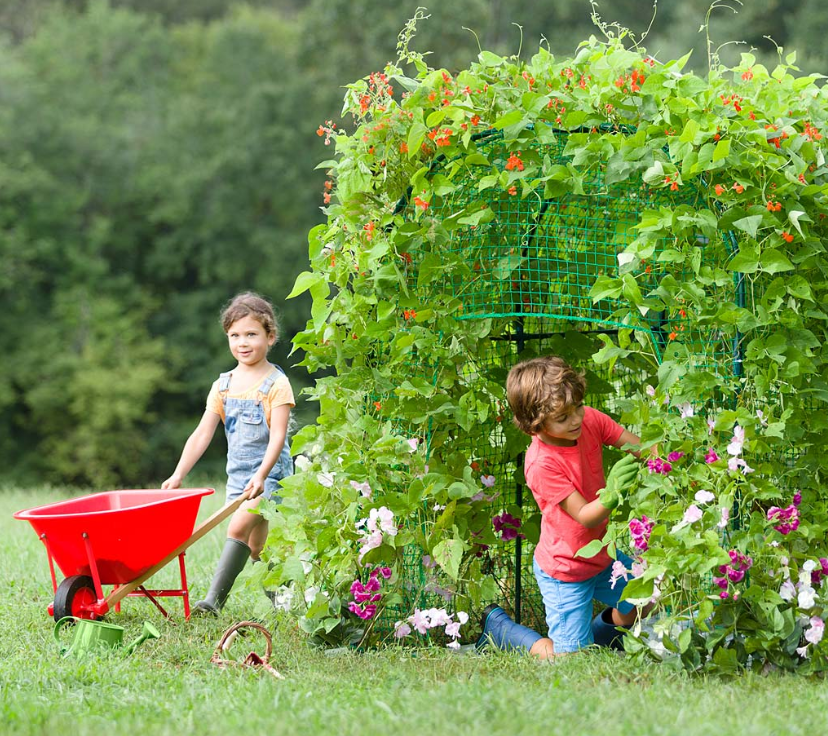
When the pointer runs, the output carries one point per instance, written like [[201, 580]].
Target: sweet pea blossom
[[785, 520], [725, 518], [618, 572], [711, 423], [658, 466], [787, 592], [650, 391], [816, 630], [487, 480], [737, 442], [507, 526], [692, 514], [686, 410], [422, 621], [711, 456], [675, 456], [704, 497], [413, 444], [806, 598], [401, 629], [640, 530], [363, 488], [325, 479]]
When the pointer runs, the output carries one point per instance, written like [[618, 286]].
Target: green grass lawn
[[170, 687]]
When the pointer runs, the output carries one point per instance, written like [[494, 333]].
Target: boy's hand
[[171, 483], [620, 476]]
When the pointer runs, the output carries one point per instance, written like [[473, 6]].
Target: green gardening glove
[[620, 476]]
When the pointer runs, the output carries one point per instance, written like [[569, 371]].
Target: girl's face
[[564, 427], [249, 342]]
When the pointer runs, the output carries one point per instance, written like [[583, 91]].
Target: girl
[[254, 402]]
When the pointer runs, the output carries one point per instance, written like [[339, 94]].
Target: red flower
[[774, 206], [514, 162], [673, 335], [748, 75], [787, 237], [403, 147], [719, 190], [738, 187], [512, 190], [409, 314], [421, 203]]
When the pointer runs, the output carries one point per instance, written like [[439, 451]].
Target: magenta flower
[[385, 572], [657, 465], [797, 498], [507, 526], [640, 530], [785, 520], [364, 612], [675, 456], [711, 456]]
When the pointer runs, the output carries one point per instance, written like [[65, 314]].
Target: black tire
[[71, 596]]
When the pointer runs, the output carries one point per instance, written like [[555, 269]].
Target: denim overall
[[247, 436]]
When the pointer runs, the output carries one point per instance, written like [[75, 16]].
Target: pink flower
[[650, 390], [816, 630], [618, 572], [413, 443], [385, 572], [710, 424], [725, 518], [711, 456], [797, 498], [487, 480], [692, 515], [363, 488], [364, 612], [419, 621], [737, 442], [675, 456], [372, 541], [401, 629]]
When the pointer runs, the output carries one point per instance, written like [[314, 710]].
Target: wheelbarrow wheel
[[75, 597]]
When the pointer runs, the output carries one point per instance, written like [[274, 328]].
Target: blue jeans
[[569, 605]]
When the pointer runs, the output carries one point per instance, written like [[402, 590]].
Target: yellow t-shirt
[[280, 393]]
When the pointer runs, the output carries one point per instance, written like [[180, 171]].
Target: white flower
[[462, 617], [725, 518], [302, 463], [802, 651], [806, 598], [325, 479], [787, 591], [413, 443], [310, 594], [809, 566], [650, 390], [686, 410], [438, 507], [761, 416], [703, 497]]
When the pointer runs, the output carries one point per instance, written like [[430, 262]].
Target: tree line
[[157, 156]]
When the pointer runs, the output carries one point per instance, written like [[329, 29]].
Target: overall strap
[[224, 385], [267, 384]]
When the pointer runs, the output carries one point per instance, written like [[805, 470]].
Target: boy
[[564, 470]]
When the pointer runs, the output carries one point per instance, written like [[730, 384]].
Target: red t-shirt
[[552, 474]]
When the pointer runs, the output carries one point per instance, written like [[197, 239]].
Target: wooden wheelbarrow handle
[[208, 525]]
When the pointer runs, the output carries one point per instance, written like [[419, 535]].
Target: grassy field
[[170, 687]]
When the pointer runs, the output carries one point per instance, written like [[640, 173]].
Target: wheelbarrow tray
[[128, 531]]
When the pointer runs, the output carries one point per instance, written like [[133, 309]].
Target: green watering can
[[90, 635]]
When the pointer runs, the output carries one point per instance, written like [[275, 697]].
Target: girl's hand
[[254, 488], [171, 483]]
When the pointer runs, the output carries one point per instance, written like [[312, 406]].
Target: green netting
[[532, 267]]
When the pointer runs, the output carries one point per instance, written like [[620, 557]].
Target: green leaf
[[305, 281], [774, 261], [749, 224], [510, 118], [722, 150], [449, 555], [591, 549]]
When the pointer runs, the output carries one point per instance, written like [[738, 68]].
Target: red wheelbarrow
[[119, 538]]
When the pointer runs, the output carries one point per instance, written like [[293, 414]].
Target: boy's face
[[563, 427]]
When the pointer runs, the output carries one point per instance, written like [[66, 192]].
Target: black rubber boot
[[500, 631], [605, 633], [232, 561]]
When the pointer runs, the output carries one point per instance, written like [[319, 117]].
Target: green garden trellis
[[531, 268]]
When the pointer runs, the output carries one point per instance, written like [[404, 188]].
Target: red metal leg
[[100, 606], [51, 561], [185, 591], [149, 594]]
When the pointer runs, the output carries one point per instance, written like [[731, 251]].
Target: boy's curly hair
[[249, 303], [541, 387]]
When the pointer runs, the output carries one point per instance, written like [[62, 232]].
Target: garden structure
[[663, 232], [531, 268]]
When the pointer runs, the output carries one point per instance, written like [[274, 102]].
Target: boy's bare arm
[[628, 438], [590, 514]]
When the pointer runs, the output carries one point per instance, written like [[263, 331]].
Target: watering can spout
[[149, 632]]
